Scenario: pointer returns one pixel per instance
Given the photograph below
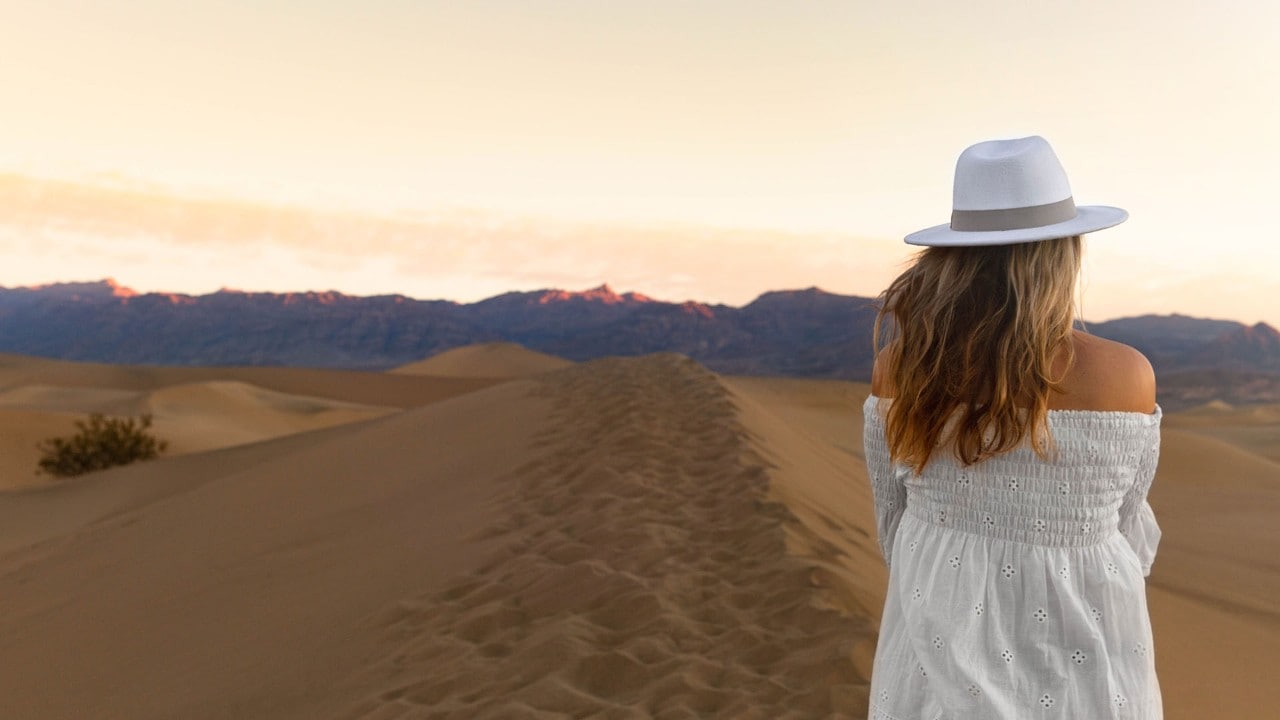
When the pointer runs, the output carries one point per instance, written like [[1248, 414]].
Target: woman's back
[[1010, 457], [1016, 584]]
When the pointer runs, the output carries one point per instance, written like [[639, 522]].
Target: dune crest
[[213, 414], [353, 386], [191, 417], [646, 574], [1254, 429], [485, 360], [83, 400]]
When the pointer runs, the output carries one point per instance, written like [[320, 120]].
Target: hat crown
[[1006, 174]]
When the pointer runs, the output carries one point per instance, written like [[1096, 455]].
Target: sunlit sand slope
[[1215, 587], [212, 414], [486, 360], [805, 432], [1253, 428]]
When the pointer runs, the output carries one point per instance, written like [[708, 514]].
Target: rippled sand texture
[[645, 575], [499, 534]]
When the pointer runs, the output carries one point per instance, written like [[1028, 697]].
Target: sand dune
[[828, 410], [206, 415], [486, 360], [1252, 428], [77, 400], [194, 417], [622, 560], [255, 592], [31, 413], [195, 409], [365, 388], [1215, 588], [625, 538], [646, 574], [20, 430]]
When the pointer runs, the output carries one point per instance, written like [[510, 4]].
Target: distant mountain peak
[[600, 294], [1260, 337], [1259, 333], [107, 287], [118, 290], [812, 296], [693, 307], [811, 290], [319, 297], [324, 297]]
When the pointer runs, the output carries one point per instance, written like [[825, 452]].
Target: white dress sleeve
[[889, 492], [1137, 521]]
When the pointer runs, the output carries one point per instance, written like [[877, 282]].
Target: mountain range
[[803, 333]]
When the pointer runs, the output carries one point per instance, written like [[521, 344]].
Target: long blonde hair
[[974, 331]]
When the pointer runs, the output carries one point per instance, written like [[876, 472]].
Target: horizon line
[[604, 289]]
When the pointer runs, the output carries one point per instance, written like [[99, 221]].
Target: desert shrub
[[101, 442]]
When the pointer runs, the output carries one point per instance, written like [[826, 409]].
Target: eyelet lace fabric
[[1016, 586]]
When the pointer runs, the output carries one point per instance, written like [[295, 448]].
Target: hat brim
[[1089, 218]]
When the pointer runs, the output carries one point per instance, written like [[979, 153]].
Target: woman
[[1010, 457]]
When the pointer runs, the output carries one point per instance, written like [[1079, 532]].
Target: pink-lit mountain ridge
[[804, 333]]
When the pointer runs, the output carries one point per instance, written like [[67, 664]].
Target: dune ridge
[[195, 409], [485, 360], [191, 417], [354, 386], [1253, 428], [646, 574]]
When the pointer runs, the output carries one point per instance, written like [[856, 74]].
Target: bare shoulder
[[1107, 375]]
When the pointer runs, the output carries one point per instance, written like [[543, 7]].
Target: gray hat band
[[1013, 218]]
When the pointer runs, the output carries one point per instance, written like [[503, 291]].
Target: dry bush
[[101, 442]]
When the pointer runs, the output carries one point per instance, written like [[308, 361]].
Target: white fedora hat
[[1013, 191]]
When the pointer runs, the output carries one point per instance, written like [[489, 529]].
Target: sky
[[691, 149]]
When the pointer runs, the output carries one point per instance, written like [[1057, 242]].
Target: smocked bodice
[[1074, 497]]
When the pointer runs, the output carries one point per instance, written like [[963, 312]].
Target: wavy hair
[[970, 337]]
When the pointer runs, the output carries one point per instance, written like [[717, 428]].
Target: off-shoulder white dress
[[1016, 586]]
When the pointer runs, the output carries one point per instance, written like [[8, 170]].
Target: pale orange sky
[[708, 149]]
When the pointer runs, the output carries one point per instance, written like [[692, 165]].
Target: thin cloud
[[58, 230], [683, 261]]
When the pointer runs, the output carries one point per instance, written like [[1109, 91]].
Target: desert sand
[[493, 535], [490, 360], [192, 417]]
